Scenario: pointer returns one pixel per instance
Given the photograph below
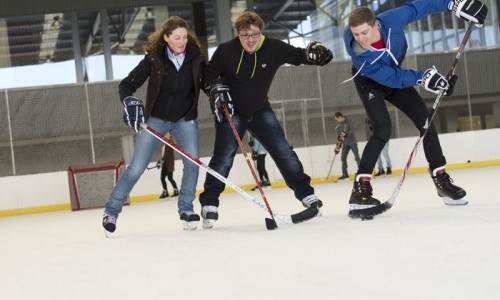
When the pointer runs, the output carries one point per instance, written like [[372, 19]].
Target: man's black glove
[[470, 10], [318, 54], [433, 81], [133, 114], [451, 82], [219, 96]]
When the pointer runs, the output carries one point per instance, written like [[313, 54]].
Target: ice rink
[[420, 249]]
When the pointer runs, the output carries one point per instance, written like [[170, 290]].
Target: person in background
[[167, 165], [347, 138], [238, 77], [174, 66], [259, 155], [385, 153], [377, 46]]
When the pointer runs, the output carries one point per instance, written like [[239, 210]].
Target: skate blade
[[363, 212], [359, 214], [189, 225], [359, 207], [108, 234], [208, 223], [451, 202], [342, 180]]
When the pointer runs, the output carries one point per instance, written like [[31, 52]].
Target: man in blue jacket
[[377, 46]]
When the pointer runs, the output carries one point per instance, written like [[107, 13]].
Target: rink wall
[[26, 194]]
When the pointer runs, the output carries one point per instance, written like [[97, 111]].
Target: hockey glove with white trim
[[470, 10], [341, 137], [318, 54], [433, 81], [219, 97], [133, 114], [338, 147]]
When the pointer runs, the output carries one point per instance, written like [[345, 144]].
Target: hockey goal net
[[90, 185]]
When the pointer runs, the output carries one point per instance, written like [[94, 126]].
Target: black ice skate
[[389, 171], [210, 215], [380, 172], [189, 220], [313, 201], [361, 198], [449, 193], [164, 194], [176, 193], [343, 177], [109, 224]]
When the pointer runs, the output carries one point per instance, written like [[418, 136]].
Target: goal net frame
[[91, 184]]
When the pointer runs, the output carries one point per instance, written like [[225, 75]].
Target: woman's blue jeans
[[186, 135]]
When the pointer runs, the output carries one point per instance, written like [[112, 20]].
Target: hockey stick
[[337, 147], [148, 168], [270, 223], [302, 216], [376, 210]]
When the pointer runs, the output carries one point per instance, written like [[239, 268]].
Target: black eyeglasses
[[247, 36]]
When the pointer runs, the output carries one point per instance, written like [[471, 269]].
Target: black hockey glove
[[159, 164], [133, 114], [219, 97], [254, 155], [318, 54], [452, 81], [433, 81], [337, 148], [470, 10]]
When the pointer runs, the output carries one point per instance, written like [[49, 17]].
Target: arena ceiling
[[39, 38]]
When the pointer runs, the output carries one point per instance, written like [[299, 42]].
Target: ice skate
[[189, 220], [176, 193], [380, 172], [361, 197], [210, 215], [164, 194], [109, 224], [344, 177], [389, 171], [312, 201], [449, 193]]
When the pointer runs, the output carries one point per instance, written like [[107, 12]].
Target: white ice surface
[[420, 249]]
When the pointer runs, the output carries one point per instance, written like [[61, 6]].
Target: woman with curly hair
[[174, 65]]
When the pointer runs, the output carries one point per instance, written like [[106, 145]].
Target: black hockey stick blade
[[271, 224], [305, 215]]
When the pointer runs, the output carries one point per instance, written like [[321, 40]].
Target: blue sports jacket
[[384, 66]]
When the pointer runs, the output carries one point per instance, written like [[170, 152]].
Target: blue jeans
[[186, 136], [266, 128], [385, 153]]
